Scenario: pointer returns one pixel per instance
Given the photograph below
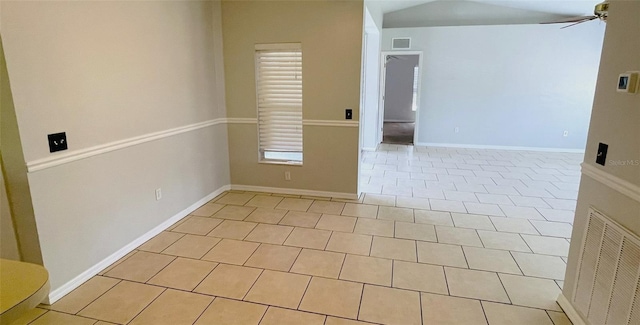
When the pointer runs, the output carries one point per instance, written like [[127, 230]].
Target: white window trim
[[414, 88], [278, 46], [261, 154]]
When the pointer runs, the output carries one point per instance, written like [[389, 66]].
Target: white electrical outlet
[[158, 194], [565, 133], [287, 176], [456, 130]]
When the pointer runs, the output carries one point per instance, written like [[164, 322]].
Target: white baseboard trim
[[293, 191], [570, 310], [399, 121], [613, 182], [368, 149], [60, 292], [481, 146]]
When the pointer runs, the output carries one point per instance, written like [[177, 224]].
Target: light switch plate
[[628, 82], [601, 158], [348, 114], [57, 141]]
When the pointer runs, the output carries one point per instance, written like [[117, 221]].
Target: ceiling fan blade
[[579, 22], [571, 20]]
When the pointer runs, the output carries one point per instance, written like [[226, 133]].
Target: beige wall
[[120, 68], [15, 177], [106, 72], [615, 120], [8, 241], [331, 37]]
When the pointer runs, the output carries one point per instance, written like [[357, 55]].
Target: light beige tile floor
[[318, 263], [229, 281], [165, 310], [440, 236], [332, 297], [226, 311], [281, 316], [419, 277], [279, 289], [446, 310], [390, 306], [183, 274]]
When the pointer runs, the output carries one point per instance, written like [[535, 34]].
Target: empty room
[[320, 162]]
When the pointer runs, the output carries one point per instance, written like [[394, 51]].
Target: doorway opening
[[398, 132], [400, 97]]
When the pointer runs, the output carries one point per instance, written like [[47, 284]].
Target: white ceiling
[[464, 13], [561, 7]]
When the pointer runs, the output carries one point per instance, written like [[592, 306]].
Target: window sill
[[280, 162]]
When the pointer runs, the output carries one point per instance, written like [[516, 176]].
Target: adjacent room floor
[[398, 133], [442, 235]]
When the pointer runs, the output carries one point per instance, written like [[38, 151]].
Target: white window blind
[[279, 95]]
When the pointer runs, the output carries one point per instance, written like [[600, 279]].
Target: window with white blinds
[[279, 95]]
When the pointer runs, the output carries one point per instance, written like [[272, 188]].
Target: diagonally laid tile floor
[[441, 236]]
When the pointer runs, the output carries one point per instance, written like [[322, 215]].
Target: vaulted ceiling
[[560, 7], [427, 13]]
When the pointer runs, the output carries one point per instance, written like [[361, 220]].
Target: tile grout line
[[295, 260], [92, 301], [205, 309], [251, 287], [486, 318], [526, 243], [161, 269], [360, 304], [41, 315], [147, 306], [304, 293], [421, 312], [120, 261], [393, 266], [251, 255], [264, 314], [518, 264], [205, 277], [47, 311]]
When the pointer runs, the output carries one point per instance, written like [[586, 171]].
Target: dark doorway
[[398, 132], [400, 98]]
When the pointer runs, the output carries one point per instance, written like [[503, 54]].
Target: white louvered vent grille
[[607, 290], [403, 43], [623, 294], [587, 269], [635, 309]]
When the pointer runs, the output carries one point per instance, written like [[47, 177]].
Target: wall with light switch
[[138, 88], [505, 85], [613, 189], [18, 231], [331, 36]]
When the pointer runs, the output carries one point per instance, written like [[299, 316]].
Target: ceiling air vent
[[403, 43]]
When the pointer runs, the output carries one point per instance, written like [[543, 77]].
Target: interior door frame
[[383, 76]]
